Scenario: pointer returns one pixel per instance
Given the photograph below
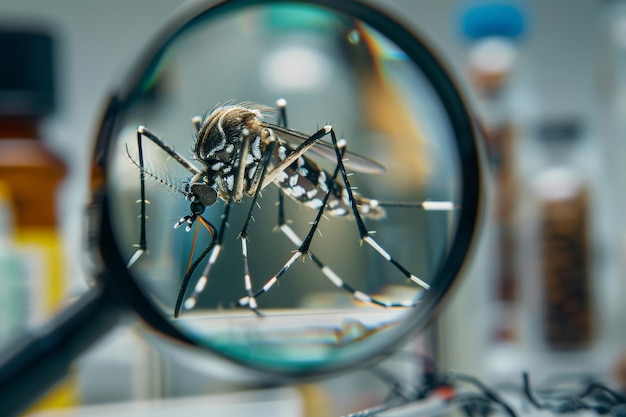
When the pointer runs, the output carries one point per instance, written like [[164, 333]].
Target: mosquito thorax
[[221, 132]]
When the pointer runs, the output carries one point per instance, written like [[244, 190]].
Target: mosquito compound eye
[[204, 193], [197, 208], [344, 240]]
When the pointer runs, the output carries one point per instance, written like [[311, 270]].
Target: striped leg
[[327, 271], [363, 232], [303, 248], [215, 248], [142, 245], [213, 251], [243, 236], [142, 132]]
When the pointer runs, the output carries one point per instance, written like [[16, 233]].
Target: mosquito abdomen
[[307, 183]]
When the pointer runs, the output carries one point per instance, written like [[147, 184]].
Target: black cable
[[487, 392], [594, 396]]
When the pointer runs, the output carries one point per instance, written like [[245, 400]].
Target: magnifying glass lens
[[287, 184]]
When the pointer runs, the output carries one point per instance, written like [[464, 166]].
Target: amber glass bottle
[[565, 205], [31, 174]]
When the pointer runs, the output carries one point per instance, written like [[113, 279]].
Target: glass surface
[[331, 69]]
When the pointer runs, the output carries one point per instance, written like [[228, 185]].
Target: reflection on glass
[[331, 69]]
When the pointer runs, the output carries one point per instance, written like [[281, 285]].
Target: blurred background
[[545, 289]]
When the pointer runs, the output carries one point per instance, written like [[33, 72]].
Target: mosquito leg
[[252, 304], [197, 123], [143, 131], [294, 155], [141, 246], [212, 251], [363, 232], [328, 272], [336, 279], [303, 245], [303, 248], [281, 103], [250, 300]]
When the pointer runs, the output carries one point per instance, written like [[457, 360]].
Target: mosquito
[[238, 154]]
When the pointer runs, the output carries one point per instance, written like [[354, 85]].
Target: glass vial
[[563, 198]]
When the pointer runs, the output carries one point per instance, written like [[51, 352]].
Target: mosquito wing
[[325, 150]]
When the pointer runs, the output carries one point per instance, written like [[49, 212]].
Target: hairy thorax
[[219, 147]]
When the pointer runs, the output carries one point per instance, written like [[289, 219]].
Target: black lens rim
[[462, 123]]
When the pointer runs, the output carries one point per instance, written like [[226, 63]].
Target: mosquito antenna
[[154, 176]]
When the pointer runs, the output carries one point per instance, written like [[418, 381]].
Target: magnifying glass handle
[[33, 364]]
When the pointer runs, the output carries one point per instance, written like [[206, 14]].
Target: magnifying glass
[[290, 186]]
